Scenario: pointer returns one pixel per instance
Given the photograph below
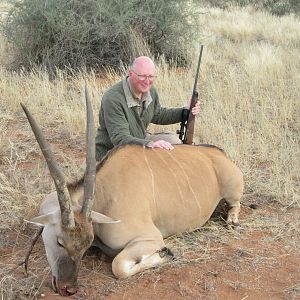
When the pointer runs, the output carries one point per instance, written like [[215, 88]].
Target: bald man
[[128, 107]]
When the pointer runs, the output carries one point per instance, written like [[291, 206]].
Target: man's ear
[[51, 218], [129, 72], [100, 218]]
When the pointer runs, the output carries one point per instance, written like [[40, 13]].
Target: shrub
[[90, 33]]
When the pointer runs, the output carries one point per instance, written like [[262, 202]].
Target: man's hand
[[161, 144], [196, 109]]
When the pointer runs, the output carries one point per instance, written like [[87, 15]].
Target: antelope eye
[[59, 244]]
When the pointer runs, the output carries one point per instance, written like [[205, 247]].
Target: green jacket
[[121, 123]]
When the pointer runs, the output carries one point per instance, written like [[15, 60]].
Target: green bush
[[276, 7], [91, 33]]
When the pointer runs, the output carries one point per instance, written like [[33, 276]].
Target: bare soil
[[242, 263]]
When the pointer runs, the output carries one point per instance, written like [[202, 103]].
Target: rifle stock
[[187, 126]]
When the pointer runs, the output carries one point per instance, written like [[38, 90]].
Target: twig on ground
[[25, 261]]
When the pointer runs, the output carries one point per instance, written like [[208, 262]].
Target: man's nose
[[147, 80]]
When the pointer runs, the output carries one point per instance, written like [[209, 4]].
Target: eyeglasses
[[144, 77]]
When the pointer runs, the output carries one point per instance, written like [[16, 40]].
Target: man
[[129, 106]]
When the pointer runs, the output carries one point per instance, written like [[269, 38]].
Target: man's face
[[142, 76]]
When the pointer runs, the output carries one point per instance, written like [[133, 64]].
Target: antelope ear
[[51, 218], [100, 218]]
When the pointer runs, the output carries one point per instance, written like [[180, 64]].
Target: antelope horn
[[90, 173], [67, 216]]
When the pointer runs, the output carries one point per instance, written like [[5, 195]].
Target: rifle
[[186, 131]]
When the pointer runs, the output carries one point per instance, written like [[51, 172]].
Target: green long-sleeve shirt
[[120, 119]]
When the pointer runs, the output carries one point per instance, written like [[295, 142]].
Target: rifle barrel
[[198, 69]]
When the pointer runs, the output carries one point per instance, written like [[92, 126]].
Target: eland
[[130, 202]]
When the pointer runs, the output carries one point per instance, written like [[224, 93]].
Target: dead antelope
[[153, 192]]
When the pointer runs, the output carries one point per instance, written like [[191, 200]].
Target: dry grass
[[249, 89]]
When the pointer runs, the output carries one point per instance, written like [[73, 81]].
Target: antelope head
[[68, 230]]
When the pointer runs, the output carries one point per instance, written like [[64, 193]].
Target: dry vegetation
[[250, 91]]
